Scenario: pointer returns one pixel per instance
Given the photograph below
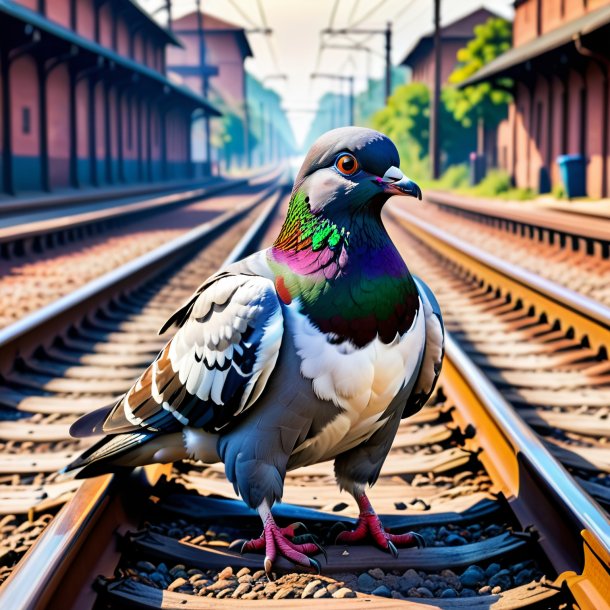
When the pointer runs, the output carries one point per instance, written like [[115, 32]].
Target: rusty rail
[[79, 539], [551, 225], [572, 528]]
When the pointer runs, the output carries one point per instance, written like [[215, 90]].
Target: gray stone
[[243, 588], [486, 590], [501, 579], [523, 577], [366, 582], [145, 566], [243, 572], [451, 578], [283, 592], [449, 592], [344, 592], [221, 584], [180, 567], [323, 592], [496, 590], [311, 588], [162, 568], [177, 583], [472, 576], [409, 580], [455, 540], [377, 573], [468, 593], [258, 574], [425, 592], [158, 578], [382, 591], [492, 568], [226, 573]]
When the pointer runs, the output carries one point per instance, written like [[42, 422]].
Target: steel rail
[[572, 528], [590, 227], [37, 228], [61, 547], [587, 317], [23, 336]]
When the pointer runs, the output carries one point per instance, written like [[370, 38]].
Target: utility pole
[[388, 61], [436, 94], [387, 32], [204, 83]]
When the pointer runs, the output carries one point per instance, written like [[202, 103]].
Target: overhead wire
[[243, 13]]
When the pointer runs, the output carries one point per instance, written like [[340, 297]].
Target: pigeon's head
[[351, 170]]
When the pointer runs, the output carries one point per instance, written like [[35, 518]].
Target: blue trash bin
[[573, 170]]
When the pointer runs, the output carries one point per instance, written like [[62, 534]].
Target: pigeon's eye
[[347, 164]]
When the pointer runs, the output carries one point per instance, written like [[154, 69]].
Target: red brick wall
[[82, 119], [594, 135], [525, 23], [85, 18], [551, 15], [33, 4], [58, 86], [138, 48], [24, 93], [105, 17], [59, 11], [122, 38], [574, 9], [100, 128], [525, 26]]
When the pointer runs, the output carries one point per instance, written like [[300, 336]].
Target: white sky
[[293, 48]]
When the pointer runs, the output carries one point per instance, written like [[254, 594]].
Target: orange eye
[[347, 164]]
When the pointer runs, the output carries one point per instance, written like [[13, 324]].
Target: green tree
[[405, 120], [484, 104]]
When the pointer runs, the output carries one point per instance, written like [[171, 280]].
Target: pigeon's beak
[[396, 183]]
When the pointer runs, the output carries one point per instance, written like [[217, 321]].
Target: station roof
[[166, 34], [37, 20], [459, 29], [187, 24], [504, 65]]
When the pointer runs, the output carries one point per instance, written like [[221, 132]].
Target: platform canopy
[[509, 63]]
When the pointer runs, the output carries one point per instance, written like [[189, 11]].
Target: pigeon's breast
[[362, 381]]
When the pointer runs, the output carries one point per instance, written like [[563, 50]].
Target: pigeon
[[311, 350]]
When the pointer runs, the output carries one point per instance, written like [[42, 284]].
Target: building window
[[26, 123]]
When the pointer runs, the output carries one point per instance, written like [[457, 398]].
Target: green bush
[[455, 177], [496, 182], [559, 192]]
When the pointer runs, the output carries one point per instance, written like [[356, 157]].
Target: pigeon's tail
[[110, 454], [91, 424]]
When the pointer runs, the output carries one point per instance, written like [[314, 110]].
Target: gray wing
[[217, 363], [434, 351]]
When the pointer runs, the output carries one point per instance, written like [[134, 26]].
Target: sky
[[294, 48]]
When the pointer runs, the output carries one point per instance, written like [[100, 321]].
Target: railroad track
[[44, 260], [506, 525], [569, 249], [55, 363]]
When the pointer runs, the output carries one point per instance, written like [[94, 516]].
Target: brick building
[[211, 61], [454, 36], [559, 67], [84, 97]]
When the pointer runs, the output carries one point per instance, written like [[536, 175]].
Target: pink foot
[[369, 527], [275, 540]]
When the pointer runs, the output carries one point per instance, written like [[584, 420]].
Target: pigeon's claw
[[276, 541], [370, 529]]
